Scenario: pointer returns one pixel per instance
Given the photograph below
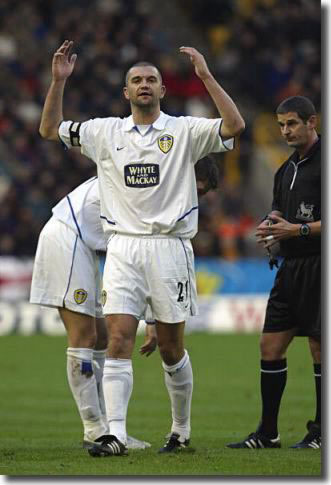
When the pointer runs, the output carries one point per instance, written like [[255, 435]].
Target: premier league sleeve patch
[[165, 143], [142, 175]]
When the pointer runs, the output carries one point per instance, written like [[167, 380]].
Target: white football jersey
[[147, 182], [80, 210]]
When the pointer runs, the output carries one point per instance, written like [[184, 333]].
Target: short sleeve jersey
[[297, 195], [147, 182], [80, 210]]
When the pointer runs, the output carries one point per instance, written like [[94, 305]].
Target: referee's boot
[[312, 438], [107, 445], [174, 444], [256, 441]]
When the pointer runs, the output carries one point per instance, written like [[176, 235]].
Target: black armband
[[74, 134], [150, 322]]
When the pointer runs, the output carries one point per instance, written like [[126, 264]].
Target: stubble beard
[[145, 106]]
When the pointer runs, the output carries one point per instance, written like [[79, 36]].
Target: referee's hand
[[279, 229]]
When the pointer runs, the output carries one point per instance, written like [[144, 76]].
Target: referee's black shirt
[[297, 195]]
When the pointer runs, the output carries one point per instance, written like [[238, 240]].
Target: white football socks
[[99, 357], [117, 388], [179, 382], [83, 386]]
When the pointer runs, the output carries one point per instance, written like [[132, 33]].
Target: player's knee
[[121, 346], [170, 354], [315, 349], [82, 339], [271, 349], [87, 340]]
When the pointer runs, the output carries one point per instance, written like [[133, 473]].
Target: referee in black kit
[[294, 305]]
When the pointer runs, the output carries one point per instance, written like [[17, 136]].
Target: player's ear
[[125, 92], [312, 121], [163, 91]]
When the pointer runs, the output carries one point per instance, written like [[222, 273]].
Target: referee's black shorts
[[295, 299]]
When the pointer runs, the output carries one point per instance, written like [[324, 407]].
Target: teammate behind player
[[66, 275], [149, 210]]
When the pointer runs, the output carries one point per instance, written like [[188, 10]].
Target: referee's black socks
[[317, 375], [273, 381]]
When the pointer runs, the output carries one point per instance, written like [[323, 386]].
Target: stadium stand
[[261, 50]]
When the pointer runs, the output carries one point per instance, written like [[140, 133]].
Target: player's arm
[[281, 229], [276, 228], [62, 66], [233, 123]]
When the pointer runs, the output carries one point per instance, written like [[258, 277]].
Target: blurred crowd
[[260, 50]]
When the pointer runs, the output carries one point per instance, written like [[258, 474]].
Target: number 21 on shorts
[[182, 289]]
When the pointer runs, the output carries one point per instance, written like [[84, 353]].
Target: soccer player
[[294, 305], [66, 275], [149, 210]]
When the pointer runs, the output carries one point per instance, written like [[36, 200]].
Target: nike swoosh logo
[[119, 148]]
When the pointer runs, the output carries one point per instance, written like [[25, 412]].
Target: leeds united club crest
[[165, 143], [103, 297], [80, 296]]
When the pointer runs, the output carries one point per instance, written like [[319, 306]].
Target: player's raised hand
[[197, 59], [63, 61]]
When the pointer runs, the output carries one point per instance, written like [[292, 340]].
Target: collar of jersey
[[158, 124], [311, 152]]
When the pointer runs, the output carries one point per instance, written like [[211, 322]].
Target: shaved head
[[142, 64]]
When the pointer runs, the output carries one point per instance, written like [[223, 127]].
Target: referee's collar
[[158, 124]]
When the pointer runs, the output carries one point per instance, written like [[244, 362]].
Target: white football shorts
[[156, 271], [66, 272]]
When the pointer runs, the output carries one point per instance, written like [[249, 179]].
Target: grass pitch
[[41, 434]]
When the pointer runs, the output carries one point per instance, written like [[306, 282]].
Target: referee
[[294, 307]]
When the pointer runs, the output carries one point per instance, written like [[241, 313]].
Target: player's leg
[[173, 300], [278, 332], [64, 277], [310, 326], [118, 374], [273, 348], [312, 439], [99, 357], [273, 376], [81, 331], [315, 349], [178, 380], [124, 301]]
